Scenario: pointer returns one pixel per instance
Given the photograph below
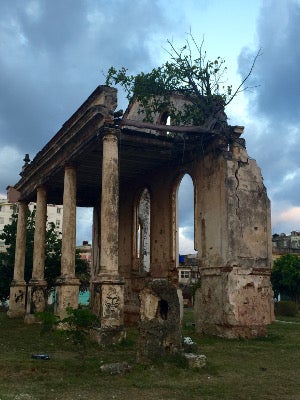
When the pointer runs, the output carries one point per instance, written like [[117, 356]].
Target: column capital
[[70, 165], [110, 132], [40, 187]]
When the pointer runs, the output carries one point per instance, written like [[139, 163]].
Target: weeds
[[264, 369]]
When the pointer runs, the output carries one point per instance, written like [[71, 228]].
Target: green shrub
[[286, 308]]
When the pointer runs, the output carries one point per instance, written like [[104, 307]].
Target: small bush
[[48, 320], [286, 308]]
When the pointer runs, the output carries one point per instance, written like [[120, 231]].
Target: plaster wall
[[233, 218]]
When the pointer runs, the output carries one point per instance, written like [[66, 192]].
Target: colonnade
[[107, 298], [232, 235]]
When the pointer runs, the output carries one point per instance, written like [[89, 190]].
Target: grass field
[[256, 369]]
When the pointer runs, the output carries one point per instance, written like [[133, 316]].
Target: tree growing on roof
[[189, 73]]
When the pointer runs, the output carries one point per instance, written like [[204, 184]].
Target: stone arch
[[175, 211], [164, 118]]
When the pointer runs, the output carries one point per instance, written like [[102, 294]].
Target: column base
[[17, 299], [107, 302], [234, 302], [66, 295], [36, 299]]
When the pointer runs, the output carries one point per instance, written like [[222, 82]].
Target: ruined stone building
[[129, 172]]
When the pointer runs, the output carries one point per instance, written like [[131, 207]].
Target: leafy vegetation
[[188, 72], [285, 277], [52, 256], [76, 325]]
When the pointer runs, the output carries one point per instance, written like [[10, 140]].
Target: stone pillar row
[[67, 288], [36, 293], [107, 289]]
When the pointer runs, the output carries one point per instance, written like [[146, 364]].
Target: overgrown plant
[[190, 73], [76, 326], [48, 321]]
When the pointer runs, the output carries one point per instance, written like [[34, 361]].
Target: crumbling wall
[[234, 239], [160, 331]]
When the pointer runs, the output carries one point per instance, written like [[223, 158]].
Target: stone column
[[67, 288], [109, 206], [37, 295], [18, 286], [108, 291]]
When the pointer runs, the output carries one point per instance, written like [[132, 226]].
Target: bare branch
[[238, 90]]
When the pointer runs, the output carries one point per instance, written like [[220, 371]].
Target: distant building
[[54, 215], [188, 275], [85, 251], [188, 269], [285, 244]]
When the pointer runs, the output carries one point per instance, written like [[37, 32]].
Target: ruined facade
[[112, 165]]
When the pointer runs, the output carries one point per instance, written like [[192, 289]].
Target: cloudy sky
[[53, 54]]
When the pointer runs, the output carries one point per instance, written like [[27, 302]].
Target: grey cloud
[[275, 104], [277, 69], [52, 54]]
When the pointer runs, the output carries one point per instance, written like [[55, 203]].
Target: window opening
[[185, 207], [165, 119], [188, 273]]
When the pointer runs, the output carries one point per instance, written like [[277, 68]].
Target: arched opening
[[143, 231], [165, 119], [188, 266], [186, 215]]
